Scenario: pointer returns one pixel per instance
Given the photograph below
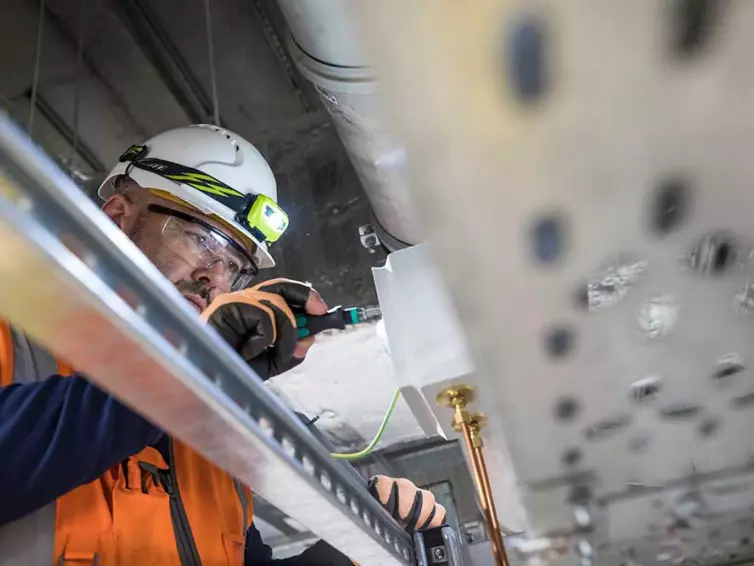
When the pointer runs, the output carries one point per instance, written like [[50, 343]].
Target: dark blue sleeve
[[319, 554], [58, 434]]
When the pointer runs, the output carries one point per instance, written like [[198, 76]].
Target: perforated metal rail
[[72, 280]]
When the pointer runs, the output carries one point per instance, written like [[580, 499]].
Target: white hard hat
[[213, 151]]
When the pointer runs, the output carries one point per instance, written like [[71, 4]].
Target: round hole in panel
[[669, 206], [559, 341], [639, 443], [692, 24], [709, 427], [566, 409], [548, 239], [572, 456]]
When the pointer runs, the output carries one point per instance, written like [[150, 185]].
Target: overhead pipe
[[324, 44]]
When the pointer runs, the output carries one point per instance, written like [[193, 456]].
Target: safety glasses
[[203, 246]]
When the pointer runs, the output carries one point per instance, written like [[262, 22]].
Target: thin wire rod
[[77, 84], [37, 65], [211, 55]]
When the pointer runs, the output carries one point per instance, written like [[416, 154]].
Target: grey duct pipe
[[326, 49]]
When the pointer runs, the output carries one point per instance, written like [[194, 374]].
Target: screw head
[[458, 395]]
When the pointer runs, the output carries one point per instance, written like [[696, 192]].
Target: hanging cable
[[76, 84], [37, 65], [211, 55], [377, 437]]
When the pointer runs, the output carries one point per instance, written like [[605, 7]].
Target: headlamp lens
[[267, 218]]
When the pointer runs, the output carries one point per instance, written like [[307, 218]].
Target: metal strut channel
[[77, 284]]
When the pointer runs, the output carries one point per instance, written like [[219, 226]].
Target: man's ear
[[122, 210]]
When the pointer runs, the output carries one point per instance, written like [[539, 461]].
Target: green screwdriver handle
[[309, 325]]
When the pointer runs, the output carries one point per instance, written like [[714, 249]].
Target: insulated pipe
[[324, 44]]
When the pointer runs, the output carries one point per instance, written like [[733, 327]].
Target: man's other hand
[[414, 508], [260, 325]]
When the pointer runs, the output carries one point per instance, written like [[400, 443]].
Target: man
[[85, 480]]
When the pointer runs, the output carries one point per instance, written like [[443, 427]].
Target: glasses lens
[[202, 247]]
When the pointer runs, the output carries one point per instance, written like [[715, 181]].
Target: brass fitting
[[476, 422]]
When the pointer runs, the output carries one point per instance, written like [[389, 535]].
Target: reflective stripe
[[244, 502], [29, 540]]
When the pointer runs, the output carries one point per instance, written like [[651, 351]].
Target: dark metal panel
[[155, 39], [321, 192]]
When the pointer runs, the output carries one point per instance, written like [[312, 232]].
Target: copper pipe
[[470, 429]]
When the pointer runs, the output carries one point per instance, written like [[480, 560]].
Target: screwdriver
[[335, 319]]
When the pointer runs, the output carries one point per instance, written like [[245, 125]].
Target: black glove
[[259, 324], [414, 508]]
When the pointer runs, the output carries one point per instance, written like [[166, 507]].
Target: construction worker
[[84, 480]]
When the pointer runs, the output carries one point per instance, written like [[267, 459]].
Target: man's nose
[[215, 276]]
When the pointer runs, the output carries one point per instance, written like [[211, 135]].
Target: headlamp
[[263, 218]]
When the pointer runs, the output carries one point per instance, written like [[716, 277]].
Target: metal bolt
[[439, 553], [369, 238]]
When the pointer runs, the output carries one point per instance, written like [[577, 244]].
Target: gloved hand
[[259, 323], [414, 508]]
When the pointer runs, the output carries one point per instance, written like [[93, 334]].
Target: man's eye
[[233, 267], [197, 238]]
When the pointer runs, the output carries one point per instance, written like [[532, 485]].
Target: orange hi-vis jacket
[[136, 513]]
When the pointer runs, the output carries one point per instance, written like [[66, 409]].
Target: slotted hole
[[645, 389], [714, 255], [606, 428], [670, 206], [743, 401], [324, 479], [728, 366], [308, 465], [548, 239], [265, 425], [340, 493], [680, 411], [289, 447]]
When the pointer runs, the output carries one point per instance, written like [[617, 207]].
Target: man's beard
[[165, 260]]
